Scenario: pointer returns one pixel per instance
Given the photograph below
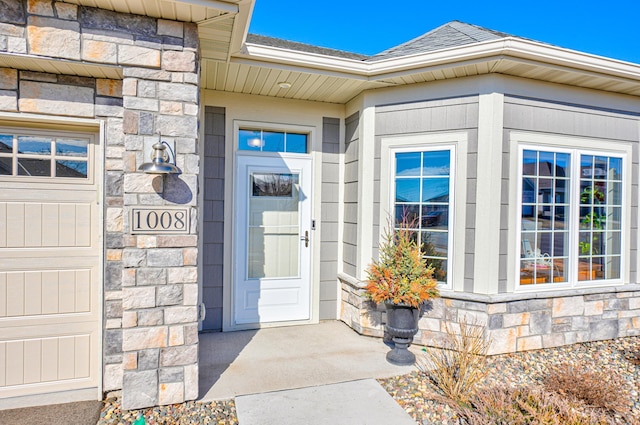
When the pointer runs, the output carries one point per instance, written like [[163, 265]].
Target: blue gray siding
[[569, 120], [350, 236], [329, 225], [213, 216], [432, 116]]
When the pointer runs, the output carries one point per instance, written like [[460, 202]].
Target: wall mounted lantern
[[160, 161]]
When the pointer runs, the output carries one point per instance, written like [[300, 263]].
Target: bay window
[[571, 207]]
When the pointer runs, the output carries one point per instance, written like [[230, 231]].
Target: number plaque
[[160, 220]]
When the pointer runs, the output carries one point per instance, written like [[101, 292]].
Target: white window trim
[[456, 142], [577, 146], [53, 133]]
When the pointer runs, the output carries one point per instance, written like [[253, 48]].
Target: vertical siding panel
[[3, 295], [213, 217], [82, 354], [33, 228], [66, 357], [15, 363], [50, 292], [83, 291], [67, 225], [66, 291], [15, 294], [32, 363], [15, 225], [3, 364], [83, 225], [33, 293], [50, 356], [3, 225], [50, 224]]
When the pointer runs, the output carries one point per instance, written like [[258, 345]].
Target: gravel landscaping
[[421, 400]]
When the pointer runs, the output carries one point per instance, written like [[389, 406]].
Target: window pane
[[615, 169], [614, 216], [408, 190], [408, 164], [435, 244], [439, 268], [436, 163], [529, 163], [560, 218], [586, 166], [76, 169], [529, 190], [435, 190], [562, 164], [273, 141], [6, 166], [561, 191], [546, 165], [601, 168], [6, 143], [34, 145], [273, 185], [34, 167], [296, 143], [435, 216], [250, 140], [70, 147], [409, 214]]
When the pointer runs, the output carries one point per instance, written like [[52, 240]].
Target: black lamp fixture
[[160, 161]]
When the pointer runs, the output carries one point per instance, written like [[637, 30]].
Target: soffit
[[59, 66], [186, 11]]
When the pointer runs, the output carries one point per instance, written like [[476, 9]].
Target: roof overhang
[[510, 56]]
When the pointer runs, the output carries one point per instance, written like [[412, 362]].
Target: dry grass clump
[[531, 405], [596, 389], [457, 367]]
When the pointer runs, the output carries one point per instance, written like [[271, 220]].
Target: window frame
[[456, 144], [576, 147], [53, 156]]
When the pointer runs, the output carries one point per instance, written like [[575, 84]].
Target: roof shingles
[[451, 34]]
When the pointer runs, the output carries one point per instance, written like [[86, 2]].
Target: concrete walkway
[[314, 374]]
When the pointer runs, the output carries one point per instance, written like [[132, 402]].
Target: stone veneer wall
[[513, 322], [150, 283]]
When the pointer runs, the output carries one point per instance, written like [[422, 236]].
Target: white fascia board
[[538, 53], [222, 6]]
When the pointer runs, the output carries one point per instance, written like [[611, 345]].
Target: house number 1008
[[162, 220]]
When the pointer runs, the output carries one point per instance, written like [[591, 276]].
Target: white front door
[[272, 240]]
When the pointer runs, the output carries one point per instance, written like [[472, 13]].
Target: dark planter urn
[[402, 325]]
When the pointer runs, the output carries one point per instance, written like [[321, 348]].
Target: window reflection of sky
[[34, 145], [6, 143]]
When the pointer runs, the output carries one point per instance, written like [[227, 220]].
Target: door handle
[[305, 238]]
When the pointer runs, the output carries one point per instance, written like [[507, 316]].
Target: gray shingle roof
[[451, 34], [301, 47]]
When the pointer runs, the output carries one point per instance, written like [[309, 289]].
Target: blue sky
[[607, 28]]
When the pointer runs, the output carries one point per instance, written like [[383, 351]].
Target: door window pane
[[274, 240], [272, 141]]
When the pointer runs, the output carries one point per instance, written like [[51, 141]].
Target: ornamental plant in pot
[[402, 281]]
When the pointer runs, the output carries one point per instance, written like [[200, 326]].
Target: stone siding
[[150, 281], [515, 323]]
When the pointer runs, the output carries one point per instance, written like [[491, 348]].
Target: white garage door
[[50, 252]]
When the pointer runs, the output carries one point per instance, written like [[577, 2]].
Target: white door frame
[[266, 162]]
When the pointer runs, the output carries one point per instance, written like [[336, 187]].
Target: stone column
[[159, 272]]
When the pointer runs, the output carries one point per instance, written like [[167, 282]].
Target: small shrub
[[597, 389], [531, 405], [401, 275], [457, 367]]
